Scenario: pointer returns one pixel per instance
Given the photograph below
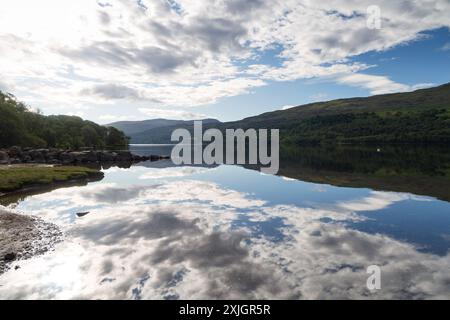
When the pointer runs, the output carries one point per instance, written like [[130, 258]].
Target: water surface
[[158, 231]]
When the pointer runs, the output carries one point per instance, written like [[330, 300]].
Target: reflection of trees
[[419, 170]]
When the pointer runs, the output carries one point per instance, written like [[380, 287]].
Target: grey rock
[[15, 152], [37, 156], [10, 256], [91, 156], [124, 156], [67, 158], [82, 214], [52, 155], [4, 157], [107, 156], [26, 159], [78, 156]]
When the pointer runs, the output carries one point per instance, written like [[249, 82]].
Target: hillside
[[21, 127], [419, 116], [422, 116]]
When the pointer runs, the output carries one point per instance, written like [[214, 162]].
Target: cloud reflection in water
[[188, 238]]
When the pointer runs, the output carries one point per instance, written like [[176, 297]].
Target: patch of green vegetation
[[20, 126], [15, 178], [422, 116]]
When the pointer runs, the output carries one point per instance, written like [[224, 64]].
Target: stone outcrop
[[4, 157], [17, 155]]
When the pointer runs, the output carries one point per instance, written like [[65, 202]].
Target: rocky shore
[[22, 237], [17, 155]]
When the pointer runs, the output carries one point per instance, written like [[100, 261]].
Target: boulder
[[37, 156], [10, 256], [26, 158], [124, 156], [67, 158], [52, 155], [4, 157], [78, 156], [82, 214], [15, 152], [154, 158], [91, 157], [43, 151], [54, 161], [106, 156]]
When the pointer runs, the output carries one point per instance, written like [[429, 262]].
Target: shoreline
[[54, 156], [65, 164], [38, 188], [23, 237], [20, 178]]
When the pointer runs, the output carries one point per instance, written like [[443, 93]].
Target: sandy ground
[[22, 237]]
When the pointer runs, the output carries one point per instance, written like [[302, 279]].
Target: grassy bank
[[13, 178]]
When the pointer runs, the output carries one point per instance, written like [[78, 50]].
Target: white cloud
[[321, 96], [172, 114], [108, 118], [287, 107], [422, 86], [77, 114], [188, 53], [376, 84], [446, 47], [379, 84]]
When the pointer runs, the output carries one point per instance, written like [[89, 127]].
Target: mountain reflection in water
[[156, 231]]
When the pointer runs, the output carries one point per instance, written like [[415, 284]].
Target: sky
[[113, 60]]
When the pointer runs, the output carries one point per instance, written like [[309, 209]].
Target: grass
[[15, 178]]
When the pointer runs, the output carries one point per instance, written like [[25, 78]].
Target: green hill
[[422, 116], [21, 127], [419, 116]]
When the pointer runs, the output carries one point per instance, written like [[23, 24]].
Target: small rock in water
[[82, 214], [16, 267], [10, 256]]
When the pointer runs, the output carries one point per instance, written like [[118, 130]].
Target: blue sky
[[424, 61], [114, 60]]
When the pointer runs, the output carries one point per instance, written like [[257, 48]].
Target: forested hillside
[[19, 126], [422, 116]]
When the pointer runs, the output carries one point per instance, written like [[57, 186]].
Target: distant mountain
[[131, 127], [155, 130]]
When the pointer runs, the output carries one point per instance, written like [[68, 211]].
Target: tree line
[[21, 126]]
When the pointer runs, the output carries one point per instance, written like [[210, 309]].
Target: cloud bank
[[183, 53]]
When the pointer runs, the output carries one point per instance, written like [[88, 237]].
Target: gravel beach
[[23, 236]]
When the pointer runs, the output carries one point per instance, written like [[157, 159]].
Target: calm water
[[156, 231]]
